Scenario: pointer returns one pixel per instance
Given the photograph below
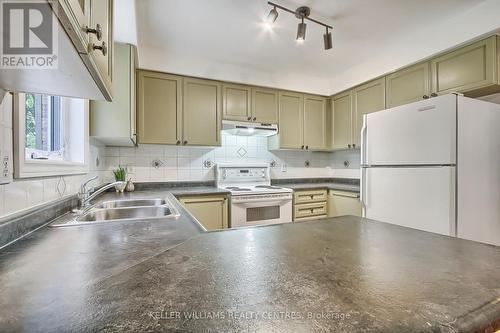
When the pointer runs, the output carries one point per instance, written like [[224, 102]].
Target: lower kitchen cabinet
[[310, 204], [210, 211], [343, 203]]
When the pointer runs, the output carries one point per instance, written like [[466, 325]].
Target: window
[[52, 136], [43, 127]]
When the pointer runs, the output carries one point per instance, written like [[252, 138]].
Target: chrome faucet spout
[[86, 202]]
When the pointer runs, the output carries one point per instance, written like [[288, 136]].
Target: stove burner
[[269, 187]]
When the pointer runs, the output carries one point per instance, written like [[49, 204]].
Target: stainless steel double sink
[[122, 210]]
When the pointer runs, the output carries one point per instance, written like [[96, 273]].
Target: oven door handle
[[260, 203]]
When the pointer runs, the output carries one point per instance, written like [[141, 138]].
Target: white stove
[[254, 201]]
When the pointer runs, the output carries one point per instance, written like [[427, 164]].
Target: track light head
[[327, 37], [272, 16], [301, 31]]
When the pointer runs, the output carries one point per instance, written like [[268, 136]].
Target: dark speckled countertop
[[344, 274]]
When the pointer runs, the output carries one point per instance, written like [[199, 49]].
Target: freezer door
[[419, 198], [421, 133]]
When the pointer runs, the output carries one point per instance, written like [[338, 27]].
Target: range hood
[[248, 129]]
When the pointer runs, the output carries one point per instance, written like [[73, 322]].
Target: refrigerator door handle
[[362, 193], [363, 141]]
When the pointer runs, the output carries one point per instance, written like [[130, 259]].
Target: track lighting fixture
[[272, 16], [327, 37], [301, 31], [302, 13]]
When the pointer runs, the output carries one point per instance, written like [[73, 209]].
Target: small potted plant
[[120, 177]]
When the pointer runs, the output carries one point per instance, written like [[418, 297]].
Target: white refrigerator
[[434, 165]]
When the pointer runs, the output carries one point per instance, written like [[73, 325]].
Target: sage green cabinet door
[[159, 107], [408, 85], [291, 117], [342, 120], [202, 111], [466, 69], [236, 102], [367, 98], [121, 112], [211, 212], [102, 14], [343, 203], [74, 14], [315, 122], [265, 105]]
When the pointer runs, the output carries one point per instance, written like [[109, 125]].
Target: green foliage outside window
[[30, 121]]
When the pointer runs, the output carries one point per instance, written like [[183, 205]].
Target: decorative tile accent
[[241, 152]]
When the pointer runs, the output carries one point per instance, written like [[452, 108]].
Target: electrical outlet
[[283, 167]]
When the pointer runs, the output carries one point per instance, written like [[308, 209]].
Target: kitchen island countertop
[[342, 274]]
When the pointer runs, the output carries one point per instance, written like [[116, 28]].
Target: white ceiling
[[226, 40]]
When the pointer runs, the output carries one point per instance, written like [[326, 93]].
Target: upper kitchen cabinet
[[202, 106], [342, 120], [100, 48], [304, 123], [76, 13], [472, 70], [81, 65], [236, 102], [176, 110], [159, 108], [114, 123], [291, 122], [408, 85], [250, 104], [367, 98], [315, 123], [265, 105]]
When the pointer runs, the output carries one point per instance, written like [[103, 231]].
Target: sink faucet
[[84, 196], [84, 192]]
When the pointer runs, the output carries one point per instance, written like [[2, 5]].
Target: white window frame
[[27, 168]]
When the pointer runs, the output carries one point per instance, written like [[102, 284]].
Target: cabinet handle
[[249, 118], [302, 147], [434, 95], [102, 47], [254, 118], [353, 145], [425, 97], [185, 142], [349, 146], [97, 31], [307, 147], [178, 142]]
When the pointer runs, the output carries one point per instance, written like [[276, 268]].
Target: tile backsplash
[[172, 163]]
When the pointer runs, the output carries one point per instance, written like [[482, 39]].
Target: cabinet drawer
[[309, 196], [309, 218], [311, 209]]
